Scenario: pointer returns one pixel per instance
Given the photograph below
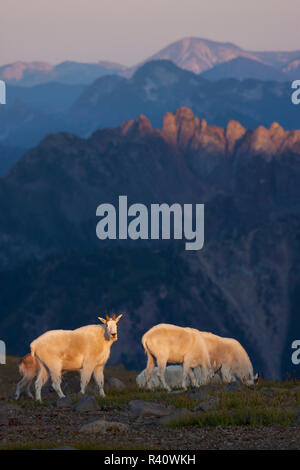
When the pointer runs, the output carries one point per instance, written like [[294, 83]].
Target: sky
[[128, 31]]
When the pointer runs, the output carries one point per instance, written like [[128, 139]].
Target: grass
[[245, 416], [78, 445], [117, 398]]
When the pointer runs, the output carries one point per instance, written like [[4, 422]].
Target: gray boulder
[[115, 383], [177, 415], [145, 408], [207, 405], [65, 402], [102, 426], [86, 403]]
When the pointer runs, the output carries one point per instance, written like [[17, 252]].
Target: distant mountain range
[[160, 86], [68, 72], [155, 88], [242, 68], [245, 282], [194, 54], [199, 55]]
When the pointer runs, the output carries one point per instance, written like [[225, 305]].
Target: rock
[[145, 408], [208, 405], [71, 384], [8, 408], [86, 403], [101, 425], [197, 395], [115, 383], [8, 411], [65, 402], [177, 415], [233, 386]]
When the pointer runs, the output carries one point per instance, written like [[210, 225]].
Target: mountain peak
[[184, 130]]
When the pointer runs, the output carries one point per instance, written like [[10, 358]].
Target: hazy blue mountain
[[9, 156], [51, 97], [161, 86], [292, 69], [24, 125], [68, 72], [243, 68]]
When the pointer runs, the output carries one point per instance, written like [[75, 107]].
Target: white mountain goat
[[229, 358], [86, 349], [170, 343]]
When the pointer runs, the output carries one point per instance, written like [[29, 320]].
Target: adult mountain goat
[[229, 358], [86, 349], [170, 343]]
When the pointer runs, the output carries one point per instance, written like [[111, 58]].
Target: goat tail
[[21, 367], [151, 358]]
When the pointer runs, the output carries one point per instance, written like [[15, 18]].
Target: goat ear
[[119, 317], [102, 319]]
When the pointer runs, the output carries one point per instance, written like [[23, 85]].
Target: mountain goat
[[229, 357], [86, 349], [170, 343]]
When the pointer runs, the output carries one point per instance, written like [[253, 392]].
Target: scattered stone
[[86, 403], [8, 412], [207, 405], [233, 386], [205, 388], [8, 408], [145, 408], [3, 407], [198, 395], [115, 383], [177, 415], [101, 425], [65, 402], [71, 384]]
